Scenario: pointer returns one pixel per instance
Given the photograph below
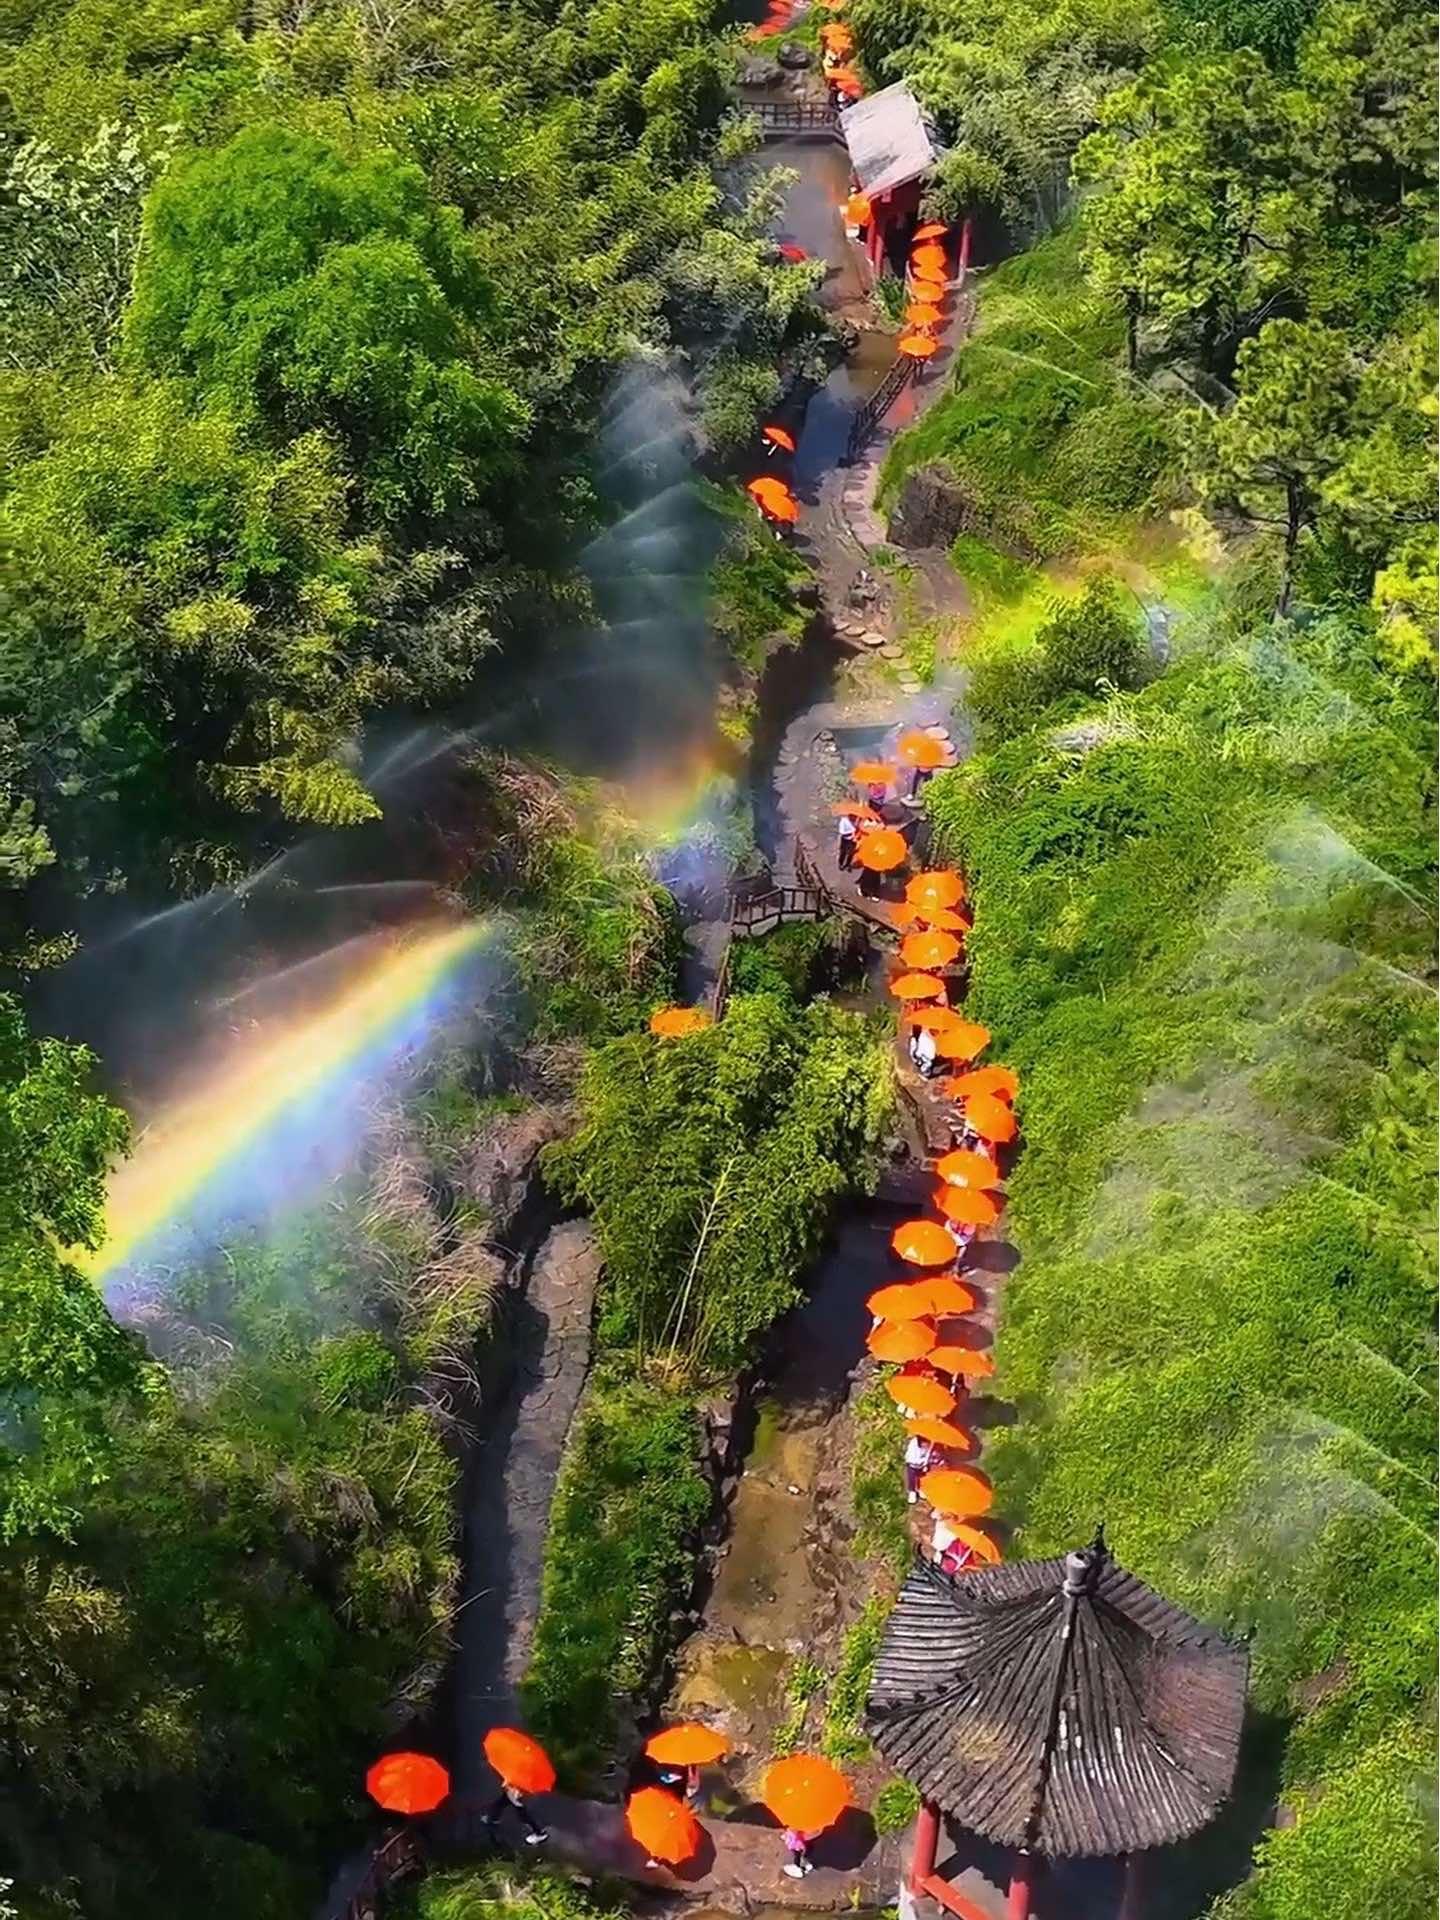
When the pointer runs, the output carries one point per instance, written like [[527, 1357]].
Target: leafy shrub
[[895, 1806], [710, 1166], [1088, 643], [626, 1508]]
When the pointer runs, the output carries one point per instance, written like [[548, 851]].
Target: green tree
[[314, 291], [1204, 197], [1273, 451], [64, 1364]]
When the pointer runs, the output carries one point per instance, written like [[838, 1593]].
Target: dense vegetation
[[710, 1167], [1203, 879], [228, 1560], [304, 322]]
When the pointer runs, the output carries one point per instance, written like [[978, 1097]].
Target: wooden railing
[[869, 416], [779, 118]]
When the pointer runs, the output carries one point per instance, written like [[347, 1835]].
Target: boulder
[[500, 1170]]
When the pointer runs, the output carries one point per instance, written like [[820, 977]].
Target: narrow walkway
[[738, 1869], [509, 1484]]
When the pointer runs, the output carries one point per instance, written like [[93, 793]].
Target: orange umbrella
[[674, 1023], [924, 286], [944, 918], [857, 210], [924, 1243], [787, 510], [953, 1360], [917, 346], [946, 1295], [937, 1019], [901, 1340], [928, 258], [920, 1393], [932, 230], [940, 1433], [688, 1745], [847, 83], [881, 850], [957, 1490], [855, 810], [1001, 1083], [805, 1792], [663, 1825], [920, 749], [407, 1782], [929, 949], [778, 437], [904, 1300], [967, 1206], [521, 1762], [767, 489], [835, 33], [916, 986], [988, 1117], [981, 1546], [962, 1042], [964, 1169], [923, 313], [872, 773], [941, 887]]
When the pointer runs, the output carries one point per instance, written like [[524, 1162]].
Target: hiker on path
[[797, 1845], [845, 841], [512, 1797]]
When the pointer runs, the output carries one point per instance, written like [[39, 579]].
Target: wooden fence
[[781, 118]]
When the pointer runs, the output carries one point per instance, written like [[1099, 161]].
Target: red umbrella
[[789, 251], [521, 1762], [663, 1825], [409, 1782], [778, 437]]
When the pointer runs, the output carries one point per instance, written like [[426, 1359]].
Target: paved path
[[740, 1865], [509, 1487]]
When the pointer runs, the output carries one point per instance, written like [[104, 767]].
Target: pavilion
[[891, 153], [1060, 1708]]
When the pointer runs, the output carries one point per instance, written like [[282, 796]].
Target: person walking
[[845, 835], [920, 1456], [513, 1798], [923, 1052], [797, 1845]]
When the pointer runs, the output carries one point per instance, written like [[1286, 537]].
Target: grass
[[1043, 428], [877, 1491]]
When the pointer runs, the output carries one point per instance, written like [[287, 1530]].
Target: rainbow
[[283, 1087]]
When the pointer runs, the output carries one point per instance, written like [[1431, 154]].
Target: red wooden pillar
[[1022, 1886], [967, 229], [875, 239], [927, 1844]]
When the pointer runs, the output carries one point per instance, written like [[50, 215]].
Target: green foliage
[[1089, 644], [315, 292], [797, 960], [64, 1364], [1196, 938], [1041, 427], [843, 1739], [502, 1890], [895, 1806], [710, 1166], [753, 583], [626, 1508], [877, 1487], [1012, 85]]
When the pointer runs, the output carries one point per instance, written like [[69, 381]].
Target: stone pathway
[[509, 1484]]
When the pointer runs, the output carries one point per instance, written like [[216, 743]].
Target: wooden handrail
[[780, 117]]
